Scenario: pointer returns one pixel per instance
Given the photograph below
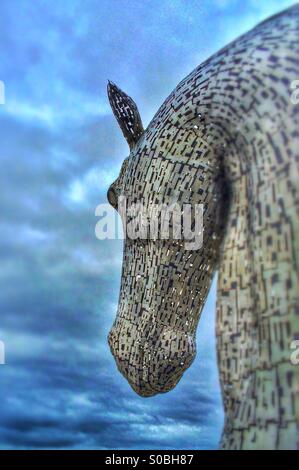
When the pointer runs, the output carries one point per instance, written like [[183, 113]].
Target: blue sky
[[60, 149]]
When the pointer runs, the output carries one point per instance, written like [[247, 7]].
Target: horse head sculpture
[[226, 139]]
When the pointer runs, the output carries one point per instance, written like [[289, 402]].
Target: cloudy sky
[[60, 149]]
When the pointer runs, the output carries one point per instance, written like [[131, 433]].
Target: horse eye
[[112, 197]]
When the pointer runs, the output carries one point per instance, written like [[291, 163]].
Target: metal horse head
[[176, 160]]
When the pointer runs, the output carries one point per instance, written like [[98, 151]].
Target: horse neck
[[258, 277]]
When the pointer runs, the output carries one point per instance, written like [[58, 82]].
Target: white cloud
[[73, 108], [93, 181]]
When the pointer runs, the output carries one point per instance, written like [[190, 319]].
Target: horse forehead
[[165, 157]]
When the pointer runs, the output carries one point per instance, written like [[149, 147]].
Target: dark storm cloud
[[60, 149]]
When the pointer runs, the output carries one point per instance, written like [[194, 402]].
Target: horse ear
[[126, 113]]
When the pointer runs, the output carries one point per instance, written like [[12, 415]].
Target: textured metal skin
[[227, 137]]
